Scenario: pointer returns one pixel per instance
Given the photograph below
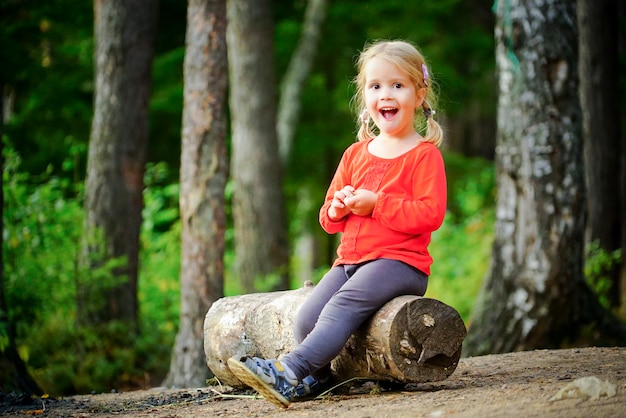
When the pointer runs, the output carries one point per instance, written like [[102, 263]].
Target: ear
[[420, 95]]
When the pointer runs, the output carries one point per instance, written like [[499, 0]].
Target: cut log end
[[409, 340]]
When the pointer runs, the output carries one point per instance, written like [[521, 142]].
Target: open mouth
[[388, 112]]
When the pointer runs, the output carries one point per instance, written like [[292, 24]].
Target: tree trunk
[[203, 175], [289, 107], [124, 33], [297, 73], [260, 223], [410, 339], [535, 295], [600, 101]]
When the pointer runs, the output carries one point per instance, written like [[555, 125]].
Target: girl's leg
[[310, 310], [368, 288]]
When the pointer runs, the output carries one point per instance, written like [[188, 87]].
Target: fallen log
[[411, 339]]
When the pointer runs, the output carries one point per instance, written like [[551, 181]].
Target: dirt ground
[[506, 385]]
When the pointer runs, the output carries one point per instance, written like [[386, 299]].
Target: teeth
[[388, 112]]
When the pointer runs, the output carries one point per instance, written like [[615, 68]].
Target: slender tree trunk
[[535, 295], [598, 23], [289, 106], [297, 73], [261, 246], [203, 175], [124, 33], [14, 375]]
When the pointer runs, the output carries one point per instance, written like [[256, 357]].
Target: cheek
[[419, 97]]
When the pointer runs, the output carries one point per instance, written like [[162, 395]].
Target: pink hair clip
[[425, 72]]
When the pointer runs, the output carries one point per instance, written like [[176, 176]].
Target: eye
[[397, 85], [374, 86]]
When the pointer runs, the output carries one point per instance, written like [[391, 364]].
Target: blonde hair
[[407, 58]]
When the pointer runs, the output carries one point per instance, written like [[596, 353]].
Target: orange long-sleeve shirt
[[411, 205]]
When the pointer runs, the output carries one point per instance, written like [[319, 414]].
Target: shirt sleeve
[[426, 209]]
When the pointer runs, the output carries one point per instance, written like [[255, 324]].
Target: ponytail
[[434, 133]]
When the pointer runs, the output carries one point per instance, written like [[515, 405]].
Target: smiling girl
[[387, 196]]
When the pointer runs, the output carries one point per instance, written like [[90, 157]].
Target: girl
[[386, 198]]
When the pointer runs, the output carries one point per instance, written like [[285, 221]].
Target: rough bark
[[203, 176], [598, 22], [260, 222], [297, 73], [535, 295], [124, 37], [410, 339]]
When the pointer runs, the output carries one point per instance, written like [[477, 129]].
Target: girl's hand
[[361, 202], [338, 209]]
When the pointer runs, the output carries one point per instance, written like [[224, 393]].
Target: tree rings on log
[[411, 339]]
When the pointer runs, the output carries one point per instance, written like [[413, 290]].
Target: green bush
[[43, 220], [461, 253], [461, 248], [598, 266]]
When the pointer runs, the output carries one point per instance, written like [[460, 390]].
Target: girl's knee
[[302, 326]]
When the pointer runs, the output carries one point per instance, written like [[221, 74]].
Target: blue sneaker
[[310, 388], [265, 376]]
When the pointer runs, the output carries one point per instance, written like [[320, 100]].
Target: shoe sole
[[248, 377]]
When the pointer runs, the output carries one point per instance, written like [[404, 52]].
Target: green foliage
[[41, 236], [598, 263], [461, 253], [461, 248], [42, 229], [159, 285], [65, 358], [46, 51], [471, 185]]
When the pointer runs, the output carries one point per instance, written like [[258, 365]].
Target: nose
[[386, 93]]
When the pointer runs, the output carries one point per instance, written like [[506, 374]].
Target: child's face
[[391, 98]]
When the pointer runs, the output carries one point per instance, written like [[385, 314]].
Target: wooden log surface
[[411, 339]]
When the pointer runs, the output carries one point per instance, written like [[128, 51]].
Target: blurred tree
[[297, 73], [289, 109], [125, 32], [598, 23], [260, 222], [535, 295], [203, 175]]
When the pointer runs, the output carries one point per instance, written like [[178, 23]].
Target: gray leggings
[[345, 298]]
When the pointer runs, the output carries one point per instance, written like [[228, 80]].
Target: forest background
[[48, 52]]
